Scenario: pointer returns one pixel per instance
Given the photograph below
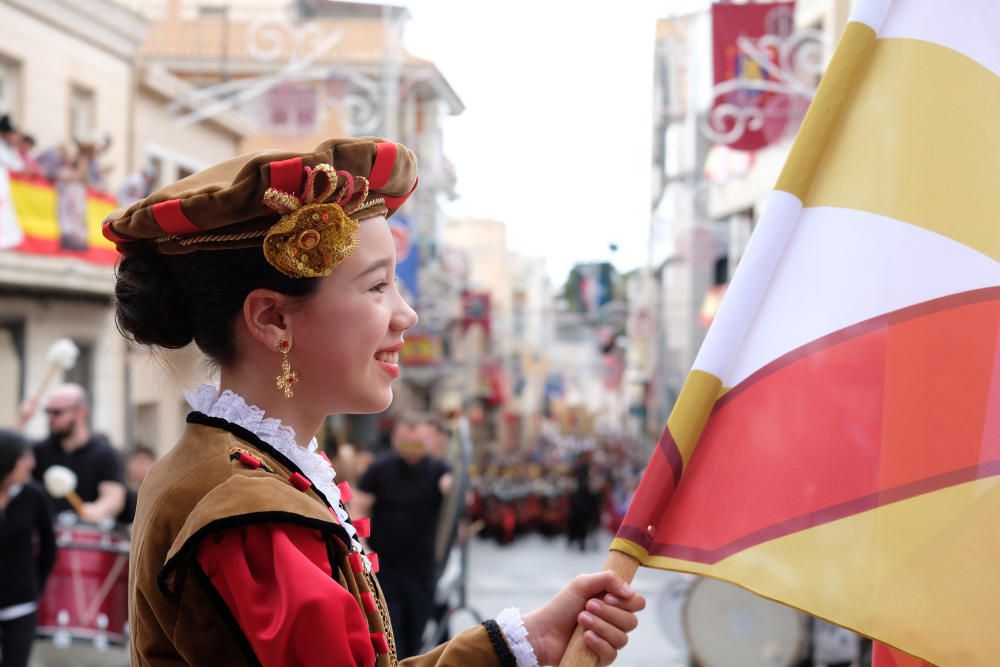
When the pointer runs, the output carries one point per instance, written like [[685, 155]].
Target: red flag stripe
[[886, 656], [654, 492], [842, 390]]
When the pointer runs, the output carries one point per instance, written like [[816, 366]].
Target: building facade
[[85, 86]]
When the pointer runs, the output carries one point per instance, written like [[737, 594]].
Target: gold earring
[[288, 377]]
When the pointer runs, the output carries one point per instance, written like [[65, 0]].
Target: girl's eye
[[380, 287]]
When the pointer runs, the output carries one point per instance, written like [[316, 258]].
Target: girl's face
[[347, 336]]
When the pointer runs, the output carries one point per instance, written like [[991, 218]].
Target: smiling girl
[[281, 268]]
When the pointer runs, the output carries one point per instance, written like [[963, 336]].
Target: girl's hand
[[602, 603]]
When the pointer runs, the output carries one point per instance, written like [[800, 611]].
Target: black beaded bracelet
[[499, 644]]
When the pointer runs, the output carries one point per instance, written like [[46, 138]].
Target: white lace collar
[[231, 407]]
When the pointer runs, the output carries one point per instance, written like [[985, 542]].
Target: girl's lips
[[391, 369]]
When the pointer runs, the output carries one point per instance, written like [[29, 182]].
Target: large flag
[[837, 445]]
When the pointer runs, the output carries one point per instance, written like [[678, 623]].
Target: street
[[532, 569]]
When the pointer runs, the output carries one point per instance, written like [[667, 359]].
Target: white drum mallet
[[61, 357], [60, 482]]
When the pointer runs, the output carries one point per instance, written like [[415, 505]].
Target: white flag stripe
[[870, 12], [774, 228], [844, 266], [968, 27]]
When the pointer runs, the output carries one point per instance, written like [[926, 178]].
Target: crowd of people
[[554, 492], [74, 168], [103, 494]]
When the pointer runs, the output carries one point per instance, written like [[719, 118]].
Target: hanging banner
[[590, 286], [476, 310], [61, 221], [750, 109], [421, 350], [407, 257]]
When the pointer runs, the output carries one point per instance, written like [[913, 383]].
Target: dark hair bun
[[170, 300], [150, 308]]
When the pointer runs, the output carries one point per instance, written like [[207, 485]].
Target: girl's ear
[[264, 316]]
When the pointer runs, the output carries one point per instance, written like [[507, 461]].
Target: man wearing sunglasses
[[71, 444], [402, 492]]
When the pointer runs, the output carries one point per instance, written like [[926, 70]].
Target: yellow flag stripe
[[918, 144], [860, 571], [845, 70], [691, 411]]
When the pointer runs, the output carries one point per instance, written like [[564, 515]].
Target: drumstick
[[577, 654], [60, 482], [75, 501], [61, 357]]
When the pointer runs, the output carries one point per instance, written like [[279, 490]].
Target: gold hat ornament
[[313, 236]]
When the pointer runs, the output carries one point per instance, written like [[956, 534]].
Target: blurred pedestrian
[[28, 551], [90, 456], [71, 197], [92, 150], [440, 437], [138, 185], [51, 160], [137, 464], [402, 492], [282, 273], [26, 151], [584, 503]]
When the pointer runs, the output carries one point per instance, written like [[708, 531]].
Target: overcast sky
[[555, 138]]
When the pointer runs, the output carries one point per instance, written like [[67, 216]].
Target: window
[[82, 113], [291, 108], [10, 86]]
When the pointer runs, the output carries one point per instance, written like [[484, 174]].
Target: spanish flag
[[837, 445], [34, 207]]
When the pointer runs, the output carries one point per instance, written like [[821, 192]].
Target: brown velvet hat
[[302, 209]]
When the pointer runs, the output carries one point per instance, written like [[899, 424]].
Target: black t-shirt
[[95, 462], [127, 515], [405, 515], [29, 546]]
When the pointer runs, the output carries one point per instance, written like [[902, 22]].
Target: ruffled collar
[[234, 409]]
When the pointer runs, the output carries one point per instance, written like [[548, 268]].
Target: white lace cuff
[[512, 626]]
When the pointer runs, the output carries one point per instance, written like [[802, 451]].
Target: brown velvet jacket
[[200, 488]]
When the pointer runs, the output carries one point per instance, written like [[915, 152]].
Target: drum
[[726, 626], [86, 596], [670, 608]]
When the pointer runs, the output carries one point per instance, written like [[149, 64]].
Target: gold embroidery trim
[[244, 236], [240, 450], [386, 623]]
